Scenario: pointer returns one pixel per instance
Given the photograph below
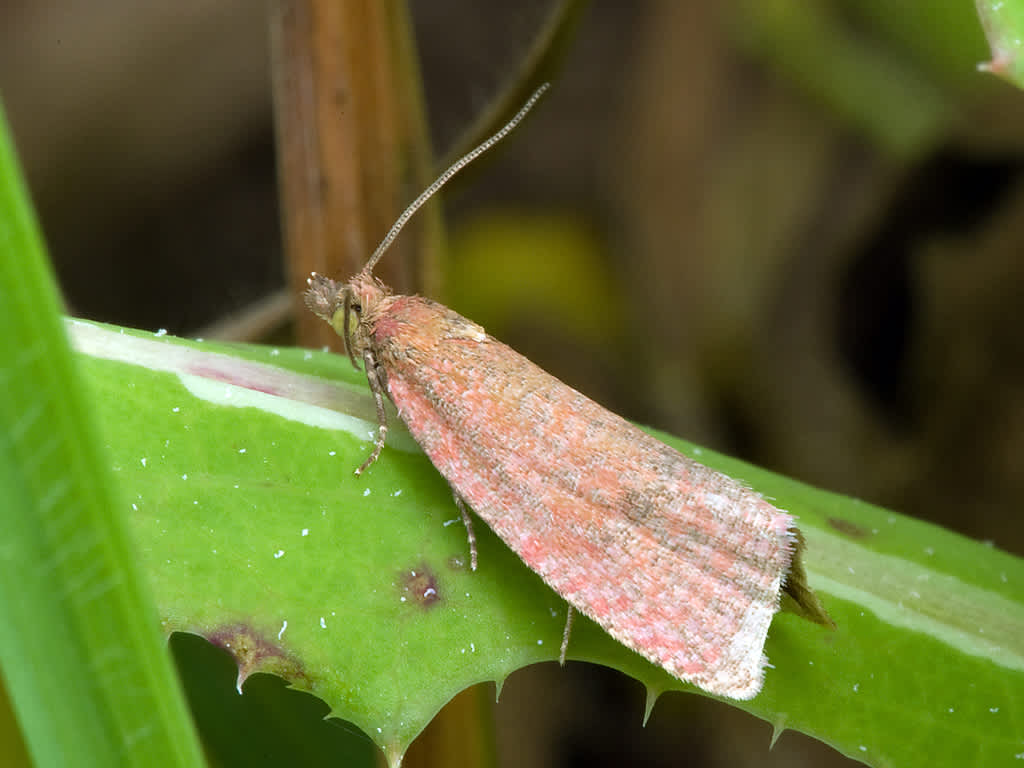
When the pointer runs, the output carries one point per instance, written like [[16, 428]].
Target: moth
[[677, 561]]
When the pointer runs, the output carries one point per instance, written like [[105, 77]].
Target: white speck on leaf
[[279, 554], [284, 626], [143, 461], [305, 531]]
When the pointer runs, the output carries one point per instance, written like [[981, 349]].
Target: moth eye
[[357, 308]]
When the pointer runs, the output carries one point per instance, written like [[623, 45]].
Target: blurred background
[[788, 230]]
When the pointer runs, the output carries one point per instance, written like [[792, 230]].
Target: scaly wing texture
[[675, 560]]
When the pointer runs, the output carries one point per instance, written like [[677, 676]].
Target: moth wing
[[675, 560]]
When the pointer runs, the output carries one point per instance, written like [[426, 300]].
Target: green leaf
[[1004, 27], [237, 463], [89, 678]]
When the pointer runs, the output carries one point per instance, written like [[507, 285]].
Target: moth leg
[[565, 635], [468, 522], [370, 366]]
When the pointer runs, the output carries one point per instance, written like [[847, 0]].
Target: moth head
[[359, 303], [323, 296], [345, 307]]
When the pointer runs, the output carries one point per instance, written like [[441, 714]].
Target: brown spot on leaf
[[853, 530], [254, 652], [418, 586]]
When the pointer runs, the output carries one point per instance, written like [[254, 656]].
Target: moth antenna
[[444, 178]]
